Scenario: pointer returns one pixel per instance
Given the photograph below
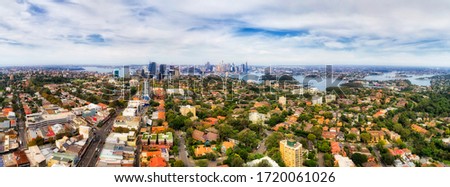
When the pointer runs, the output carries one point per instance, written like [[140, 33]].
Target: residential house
[[376, 136], [419, 129], [202, 150], [291, 153], [226, 145], [316, 100], [342, 161]]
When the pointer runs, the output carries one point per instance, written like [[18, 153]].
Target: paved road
[[137, 153], [261, 146], [320, 159], [182, 153], [90, 157], [21, 127], [377, 154], [214, 163], [22, 134]]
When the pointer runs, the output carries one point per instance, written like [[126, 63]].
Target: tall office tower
[[268, 70], [176, 72], [226, 67], [329, 77], [145, 92], [142, 73], [243, 68], [218, 68], [208, 67], [246, 67], [152, 69], [162, 71], [116, 73], [126, 72], [170, 71], [291, 153], [329, 71]]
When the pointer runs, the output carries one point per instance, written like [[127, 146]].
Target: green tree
[[178, 163], [316, 131], [263, 110], [248, 138], [311, 137], [40, 141], [133, 91], [324, 146], [154, 103], [275, 154], [365, 137], [202, 163], [275, 119], [225, 131], [328, 115], [387, 158], [211, 156], [273, 140], [178, 122], [264, 163], [237, 161], [304, 117], [328, 160], [351, 137], [310, 163], [359, 159]]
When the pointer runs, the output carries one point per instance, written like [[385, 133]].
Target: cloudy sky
[[262, 32]]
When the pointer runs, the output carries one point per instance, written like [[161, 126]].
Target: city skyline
[[171, 32]]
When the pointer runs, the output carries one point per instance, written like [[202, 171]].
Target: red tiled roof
[[162, 115], [21, 157], [6, 111], [227, 145], [50, 132], [104, 106], [279, 125], [328, 135], [212, 136], [157, 162], [198, 135], [153, 153], [201, 150], [335, 148], [158, 129]]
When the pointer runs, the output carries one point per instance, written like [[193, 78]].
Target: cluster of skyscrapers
[[221, 68], [163, 71], [125, 72]]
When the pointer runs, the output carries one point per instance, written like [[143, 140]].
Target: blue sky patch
[[147, 11], [95, 38], [36, 10], [270, 32]]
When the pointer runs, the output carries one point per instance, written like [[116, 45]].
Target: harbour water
[[99, 69], [319, 83], [420, 80]]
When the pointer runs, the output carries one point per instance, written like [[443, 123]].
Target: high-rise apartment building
[[162, 71], [268, 70], [126, 71], [291, 153], [152, 69], [116, 73]]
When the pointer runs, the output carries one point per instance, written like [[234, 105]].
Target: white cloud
[[337, 32]]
